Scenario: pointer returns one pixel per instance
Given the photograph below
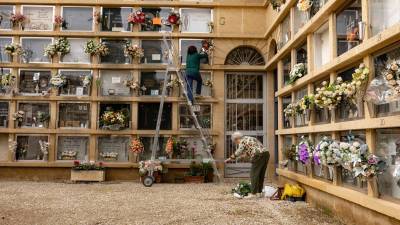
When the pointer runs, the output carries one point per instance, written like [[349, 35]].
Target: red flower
[[172, 19], [101, 164], [76, 163]]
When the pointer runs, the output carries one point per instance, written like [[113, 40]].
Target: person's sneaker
[[250, 196]]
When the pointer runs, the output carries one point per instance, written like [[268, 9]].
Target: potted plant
[[87, 171], [208, 171], [195, 174]]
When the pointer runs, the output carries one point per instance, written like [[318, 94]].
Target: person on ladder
[[193, 60], [259, 157]]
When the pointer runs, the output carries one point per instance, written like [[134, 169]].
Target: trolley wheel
[[148, 181]]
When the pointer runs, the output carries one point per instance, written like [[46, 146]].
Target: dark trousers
[[190, 78], [257, 173]]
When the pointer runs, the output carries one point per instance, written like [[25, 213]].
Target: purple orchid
[[303, 153]]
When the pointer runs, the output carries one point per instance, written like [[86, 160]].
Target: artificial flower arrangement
[[42, 117], [68, 155], [207, 46], [329, 95], [352, 90], [392, 76], [210, 25], [114, 120], [133, 51], [174, 18], [18, 117], [136, 146], [63, 46], [87, 165], [304, 5], [93, 48], [146, 166], [208, 83], [304, 151], [13, 49], [169, 147], [109, 156], [290, 110], [242, 189], [57, 81], [50, 50], [290, 152], [59, 21], [87, 80], [276, 4], [298, 71], [329, 152], [8, 80], [173, 82], [306, 103], [137, 17], [97, 17], [17, 19], [44, 148]]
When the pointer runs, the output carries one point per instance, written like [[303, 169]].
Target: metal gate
[[244, 111]]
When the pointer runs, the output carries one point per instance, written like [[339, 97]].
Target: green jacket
[[193, 63]]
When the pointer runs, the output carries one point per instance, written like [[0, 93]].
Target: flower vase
[[371, 109], [292, 165], [98, 59], [135, 157], [307, 116], [45, 157], [326, 114], [10, 58], [60, 57], [21, 26], [373, 186]]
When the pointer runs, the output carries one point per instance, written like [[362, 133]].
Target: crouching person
[[259, 156]]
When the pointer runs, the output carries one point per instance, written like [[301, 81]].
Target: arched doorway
[[245, 94]]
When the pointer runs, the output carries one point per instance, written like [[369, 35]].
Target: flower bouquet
[[43, 118], [137, 17], [208, 83], [169, 147], [7, 82], [57, 81], [87, 80], [113, 120], [133, 51], [18, 19], [109, 156], [207, 46], [18, 117], [298, 71], [63, 46], [304, 151], [69, 155], [290, 155], [44, 149], [136, 146], [325, 154], [93, 48], [59, 22], [290, 110], [174, 18], [97, 17], [242, 189], [50, 50], [13, 49], [329, 95], [304, 5]]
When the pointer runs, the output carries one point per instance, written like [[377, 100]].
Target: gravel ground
[[131, 203]]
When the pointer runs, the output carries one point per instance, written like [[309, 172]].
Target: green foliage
[[243, 188]]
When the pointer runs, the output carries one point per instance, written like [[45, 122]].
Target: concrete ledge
[[386, 208]]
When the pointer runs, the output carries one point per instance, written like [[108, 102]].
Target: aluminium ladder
[[173, 66]]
